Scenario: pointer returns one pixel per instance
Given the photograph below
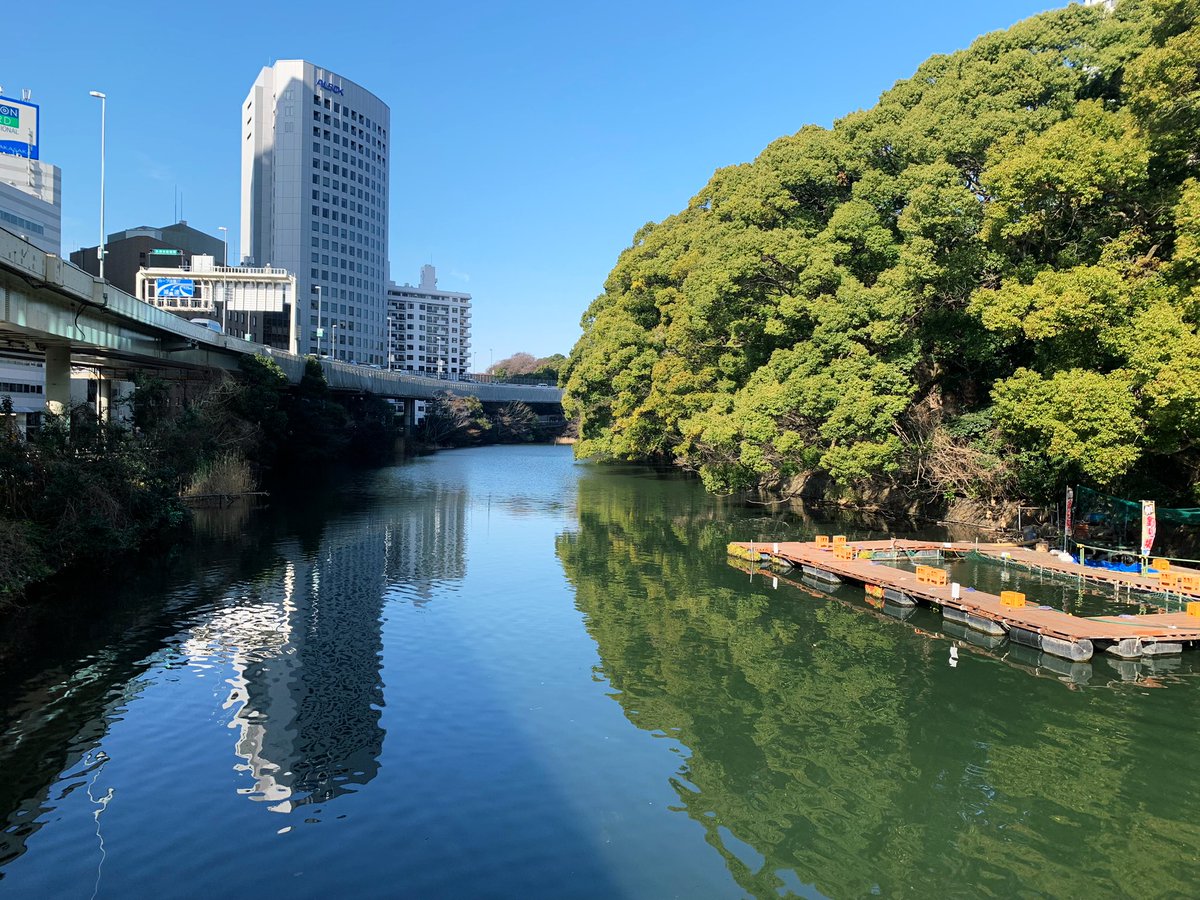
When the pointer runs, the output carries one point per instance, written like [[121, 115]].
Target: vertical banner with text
[[1149, 526]]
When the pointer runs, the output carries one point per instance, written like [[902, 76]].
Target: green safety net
[[1106, 521]]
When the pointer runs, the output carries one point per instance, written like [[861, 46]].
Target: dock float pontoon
[[1069, 637]]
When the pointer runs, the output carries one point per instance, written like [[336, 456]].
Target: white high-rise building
[[315, 153], [429, 330]]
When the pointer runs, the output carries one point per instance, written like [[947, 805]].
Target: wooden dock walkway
[[1053, 631]]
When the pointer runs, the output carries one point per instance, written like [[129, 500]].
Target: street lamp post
[[320, 325], [224, 284], [100, 251]]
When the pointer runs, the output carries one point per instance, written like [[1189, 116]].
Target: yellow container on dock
[[1193, 609], [822, 542], [1160, 565], [838, 540], [843, 551], [1168, 581], [1012, 598], [930, 575], [1189, 583], [864, 554]]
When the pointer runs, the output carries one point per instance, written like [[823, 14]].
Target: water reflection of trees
[[839, 748]]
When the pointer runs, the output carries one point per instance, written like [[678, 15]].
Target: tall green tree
[[1016, 225]]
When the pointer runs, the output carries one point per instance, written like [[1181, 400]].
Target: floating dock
[[1009, 615]]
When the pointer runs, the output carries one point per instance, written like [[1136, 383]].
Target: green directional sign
[[162, 251], [10, 116]]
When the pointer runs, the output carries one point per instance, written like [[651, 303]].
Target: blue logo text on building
[[332, 88], [174, 288]]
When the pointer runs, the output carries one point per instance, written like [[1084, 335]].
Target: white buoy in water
[[953, 656]]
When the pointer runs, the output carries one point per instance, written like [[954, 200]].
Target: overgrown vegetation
[[987, 285], [87, 493], [456, 421], [528, 365], [228, 475]]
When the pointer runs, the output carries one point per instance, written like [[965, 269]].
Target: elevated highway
[[52, 310]]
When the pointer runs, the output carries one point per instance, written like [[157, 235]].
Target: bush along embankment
[[985, 287], [78, 492], [455, 421]]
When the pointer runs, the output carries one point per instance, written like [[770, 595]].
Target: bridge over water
[[52, 310]]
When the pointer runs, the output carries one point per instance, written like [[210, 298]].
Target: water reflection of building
[[306, 647], [428, 546], [306, 690]]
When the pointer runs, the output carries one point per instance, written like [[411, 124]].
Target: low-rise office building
[[31, 201], [30, 207], [257, 303], [125, 252]]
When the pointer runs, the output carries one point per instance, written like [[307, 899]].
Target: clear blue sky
[[529, 139]]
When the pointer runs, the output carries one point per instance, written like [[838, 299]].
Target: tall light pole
[[224, 284], [103, 104], [320, 326]]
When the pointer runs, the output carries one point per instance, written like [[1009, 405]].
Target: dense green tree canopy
[[1012, 234]]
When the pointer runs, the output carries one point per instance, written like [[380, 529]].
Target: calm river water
[[499, 673]]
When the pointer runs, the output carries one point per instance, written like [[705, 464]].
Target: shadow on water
[[844, 752]]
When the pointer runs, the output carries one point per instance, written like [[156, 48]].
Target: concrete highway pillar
[[104, 388], [410, 417], [58, 380]]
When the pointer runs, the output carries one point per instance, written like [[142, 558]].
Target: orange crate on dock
[[1012, 598], [839, 540], [843, 551], [822, 542], [1189, 583], [930, 575]]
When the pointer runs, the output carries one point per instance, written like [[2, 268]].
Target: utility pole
[[100, 251], [224, 282]]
